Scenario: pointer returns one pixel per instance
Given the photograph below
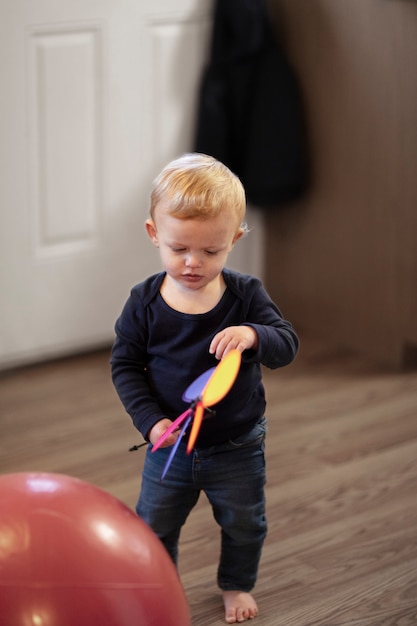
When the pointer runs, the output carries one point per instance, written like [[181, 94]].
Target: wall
[[342, 262]]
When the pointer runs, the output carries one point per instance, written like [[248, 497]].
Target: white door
[[96, 95]]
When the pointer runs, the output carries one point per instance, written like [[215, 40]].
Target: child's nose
[[193, 260]]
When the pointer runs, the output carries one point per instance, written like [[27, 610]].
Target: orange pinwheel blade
[[198, 418], [222, 379]]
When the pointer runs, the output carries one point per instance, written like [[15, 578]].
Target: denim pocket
[[254, 437]]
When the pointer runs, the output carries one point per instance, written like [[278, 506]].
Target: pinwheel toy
[[206, 390]]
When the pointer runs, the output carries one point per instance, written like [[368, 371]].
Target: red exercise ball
[[73, 555]]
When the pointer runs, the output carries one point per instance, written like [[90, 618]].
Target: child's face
[[193, 252]]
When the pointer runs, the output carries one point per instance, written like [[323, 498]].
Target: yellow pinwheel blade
[[198, 418], [222, 379]]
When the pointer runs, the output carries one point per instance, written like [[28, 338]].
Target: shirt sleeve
[[128, 367], [277, 341]]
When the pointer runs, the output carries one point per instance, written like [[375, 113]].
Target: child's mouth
[[193, 278]]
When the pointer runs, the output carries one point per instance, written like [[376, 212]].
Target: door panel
[[96, 97]]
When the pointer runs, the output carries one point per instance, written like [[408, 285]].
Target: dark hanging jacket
[[249, 113]]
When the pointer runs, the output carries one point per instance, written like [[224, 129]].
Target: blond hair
[[197, 186]]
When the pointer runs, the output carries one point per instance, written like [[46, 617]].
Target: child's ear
[[238, 236], [152, 232]]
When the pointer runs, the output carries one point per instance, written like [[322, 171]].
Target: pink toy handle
[[175, 446], [174, 426]]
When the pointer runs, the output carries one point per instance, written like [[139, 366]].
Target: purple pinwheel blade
[[196, 388]]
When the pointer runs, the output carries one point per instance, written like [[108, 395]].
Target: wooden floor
[[342, 490]]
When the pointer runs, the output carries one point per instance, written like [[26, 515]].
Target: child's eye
[[178, 250], [211, 252]]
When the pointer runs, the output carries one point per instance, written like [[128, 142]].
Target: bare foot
[[239, 606]]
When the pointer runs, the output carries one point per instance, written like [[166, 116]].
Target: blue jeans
[[232, 475]]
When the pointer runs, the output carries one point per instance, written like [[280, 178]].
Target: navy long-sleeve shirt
[[159, 351]]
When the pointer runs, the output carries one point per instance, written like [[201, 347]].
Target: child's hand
[[233, 337], [158, 430]]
